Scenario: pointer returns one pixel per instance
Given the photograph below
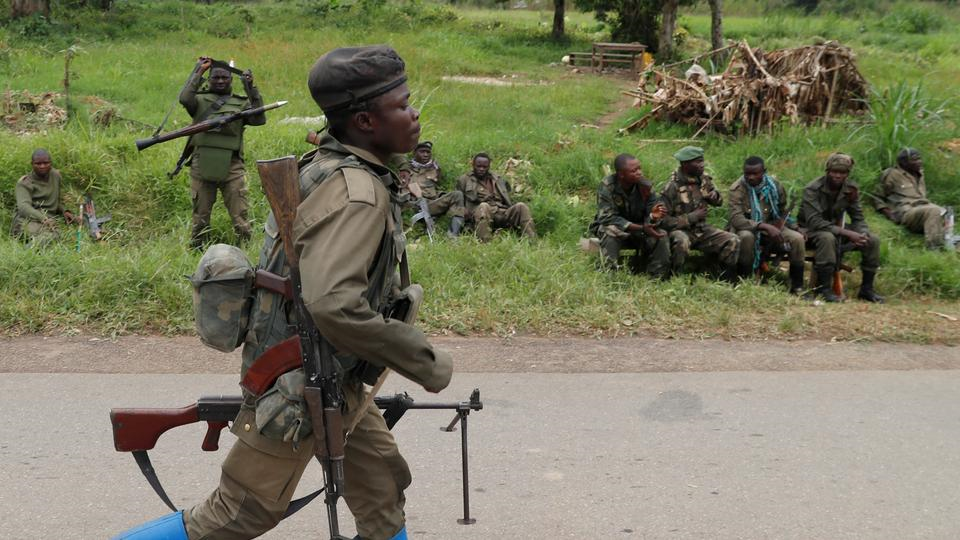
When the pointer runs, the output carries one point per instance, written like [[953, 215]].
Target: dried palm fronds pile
[[757, 90], [24, 112]]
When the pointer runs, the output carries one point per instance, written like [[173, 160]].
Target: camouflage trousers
[[707, 239], [656, 251], [488, 218], [35, 233], [204, 194], [260, 475], [825, 245], [450, 204], [748, 243], [926, 219]]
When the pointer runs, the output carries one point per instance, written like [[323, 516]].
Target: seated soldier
[[487, 198], [686, 197], [38, 202], [825, 202], [627, 217], [903, 199], [421, 178], [758, 215]]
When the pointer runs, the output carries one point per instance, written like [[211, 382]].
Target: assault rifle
[[784, 247], [424, 214], [90, 217], [138, 430], [206, 125]]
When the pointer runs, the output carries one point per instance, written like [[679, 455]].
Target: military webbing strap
[[188, 146]]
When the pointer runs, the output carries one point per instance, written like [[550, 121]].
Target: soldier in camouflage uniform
[[826, 202], [903, 194], [38, 202], [487, 198], [758, 215], [217, 160], [686, 197], [627, 217], [421, 177], [349, 237]]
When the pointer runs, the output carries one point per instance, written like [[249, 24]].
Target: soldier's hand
[[414, 189], [887, 213], [205, 63], [247, 78], [774, 233], [658, 211], [697, 215], [70, 218], [652, 231]]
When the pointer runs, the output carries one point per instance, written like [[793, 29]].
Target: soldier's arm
[[675, 218], [607, 211], [254, 99], [718, 201], [813, 213], [857, 222], [338, 232], [25, 204], [735, 211], [188, 96]]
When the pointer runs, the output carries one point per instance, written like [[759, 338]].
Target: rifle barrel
[[206, 125]]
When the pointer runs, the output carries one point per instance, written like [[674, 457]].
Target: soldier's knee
[[457, 197], [824, 239], [482, 212], [523, 211]]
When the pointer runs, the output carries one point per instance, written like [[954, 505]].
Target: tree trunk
[[668, 25], [716, 27], [559, 10], [25, 8]]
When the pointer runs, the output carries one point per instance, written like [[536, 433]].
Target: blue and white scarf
[[766, 190]]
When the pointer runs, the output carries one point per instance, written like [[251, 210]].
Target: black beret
[[424, 144], [351, 75]]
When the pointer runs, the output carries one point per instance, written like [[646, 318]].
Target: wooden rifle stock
[[139, 429]]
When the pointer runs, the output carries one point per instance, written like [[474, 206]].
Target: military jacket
[[476, 192], [822, 210], [683, 195], [620, 208], [428, 178], [741, 213], [38, 199], [901, 190], [348, 235]]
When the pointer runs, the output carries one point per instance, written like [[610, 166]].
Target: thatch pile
[[24, 112], [757, 90]]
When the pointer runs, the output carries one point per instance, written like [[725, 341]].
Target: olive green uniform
[[617, 209], [38, 199], [217, 160], [438, 202], [488, 206], [681, 196], [742, 224], [822, 213], [906, 197], [348, 234]]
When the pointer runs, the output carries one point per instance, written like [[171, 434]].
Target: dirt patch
[[504, 80], [25, 113]]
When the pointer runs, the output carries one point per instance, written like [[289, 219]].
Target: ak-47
[[424, 214], [784, 248], [90, 217], [206, 125]]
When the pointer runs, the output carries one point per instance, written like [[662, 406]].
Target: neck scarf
[[766, 190]]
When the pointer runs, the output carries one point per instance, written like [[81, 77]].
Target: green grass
[[138, 57]]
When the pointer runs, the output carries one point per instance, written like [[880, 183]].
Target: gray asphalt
[[784, 455]]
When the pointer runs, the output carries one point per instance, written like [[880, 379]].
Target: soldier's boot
[[730, 274], [824, 281], [402, 535], [744, 271], [169, 527], [867, 293], [796, 278], [456, 225]]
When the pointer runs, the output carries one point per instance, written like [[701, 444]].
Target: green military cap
[[908, 153], [349, 76], [839, 162], [424, 144], [689, 153]]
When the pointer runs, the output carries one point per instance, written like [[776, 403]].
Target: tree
[[716, 25], [668, 26], [559, 12], [25, 8], [630, 20]]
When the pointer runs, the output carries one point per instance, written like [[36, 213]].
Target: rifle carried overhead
[[206, 125]]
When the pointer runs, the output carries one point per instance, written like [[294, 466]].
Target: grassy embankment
[[133, 282]]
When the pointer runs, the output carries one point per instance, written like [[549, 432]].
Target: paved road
[[758, 455]]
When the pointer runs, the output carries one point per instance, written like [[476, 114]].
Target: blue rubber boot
[[402, 535], [169, 527]]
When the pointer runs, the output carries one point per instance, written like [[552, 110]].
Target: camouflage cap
[[349, 76], [689, 153], [424, 144], [839, 162]]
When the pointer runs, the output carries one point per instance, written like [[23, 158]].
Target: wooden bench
[[628, 55]]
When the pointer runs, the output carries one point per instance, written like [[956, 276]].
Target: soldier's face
[[913, 164], [481, 166], [220, 81], [753, 174], [423, 154], [42, 166], [694, 167], [631, 173], [394, 123], [836, 178]]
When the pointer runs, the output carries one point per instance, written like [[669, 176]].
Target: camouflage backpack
[[222, 293]]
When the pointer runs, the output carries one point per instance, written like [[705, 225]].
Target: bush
[[911, 19]]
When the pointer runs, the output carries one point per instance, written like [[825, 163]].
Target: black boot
[[824, 284], [867, 293], [730, 274], [744, 271], [796, 278], [456, 224]]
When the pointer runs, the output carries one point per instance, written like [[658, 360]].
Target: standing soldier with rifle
[[348, 239], [216, 162]]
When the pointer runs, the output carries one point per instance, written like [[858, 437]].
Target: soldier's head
[[628, 170], [838, 168], [691, 160], [221, 81], [753, 170], [424, 152], [909, 159], [481, 165], [363, 93], [41, 162]]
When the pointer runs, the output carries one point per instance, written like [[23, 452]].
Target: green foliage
[[911, 19]]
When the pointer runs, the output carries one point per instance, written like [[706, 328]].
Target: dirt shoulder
[[153, 354]]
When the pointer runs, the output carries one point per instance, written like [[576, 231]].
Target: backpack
[[223, 287]]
